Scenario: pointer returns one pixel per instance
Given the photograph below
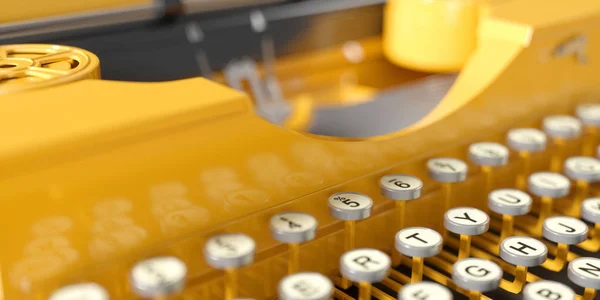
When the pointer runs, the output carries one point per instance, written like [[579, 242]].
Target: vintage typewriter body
[[121, 153]]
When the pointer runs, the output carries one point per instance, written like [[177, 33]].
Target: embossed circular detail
[[30, 66]]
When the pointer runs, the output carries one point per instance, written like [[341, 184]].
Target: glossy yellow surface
[[434, 36], [13, 11], [33, 66], [97, 175]]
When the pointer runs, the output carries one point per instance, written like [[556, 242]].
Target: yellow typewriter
[[299, 150]]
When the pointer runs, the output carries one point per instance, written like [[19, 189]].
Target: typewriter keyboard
[[520, 245]]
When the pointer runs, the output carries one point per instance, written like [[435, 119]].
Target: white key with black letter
[[87, 291], [523, 252], [590, 212], [158, 277], [305, 286], [525, 141], [488, 155], [560, 128], [548, 186], [547, 290], [447, 171], [466, 221], [418, 243], [476, 275], [509, 203], [424, 291], [584, 171], [585, 272], [229, 252], [293, 228], [400, 188], [589, 114], [365, 266], [564, 231], [349, 207]]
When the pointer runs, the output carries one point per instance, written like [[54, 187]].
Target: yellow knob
[[430, 35], [30, 66]]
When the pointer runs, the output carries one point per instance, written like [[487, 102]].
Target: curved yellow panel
[[13, 11]]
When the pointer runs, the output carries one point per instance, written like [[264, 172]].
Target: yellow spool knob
[[430, 35], [31, 66]]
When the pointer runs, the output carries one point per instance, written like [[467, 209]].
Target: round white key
[[419, 242], [158, 277], [583, 168], [305, 286], [229, 250], [585, 272], [400, 187], [510, 202], [365, 265], [523, 251], [590, 210], [589, 114], [547, 290], [565, 230], [548, 184], [424, 290], [293, 227], [466, 220], [475, 274], [350, 206], [488, 154], [87, 291], [445, 169], [562, 126], [526, 139]]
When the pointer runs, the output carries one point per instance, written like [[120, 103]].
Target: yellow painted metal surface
[[13, 11], [97, 175], [435, 36]]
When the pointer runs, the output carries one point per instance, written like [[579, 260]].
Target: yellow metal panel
[[13, 11], [74, 115], [97, 175]]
